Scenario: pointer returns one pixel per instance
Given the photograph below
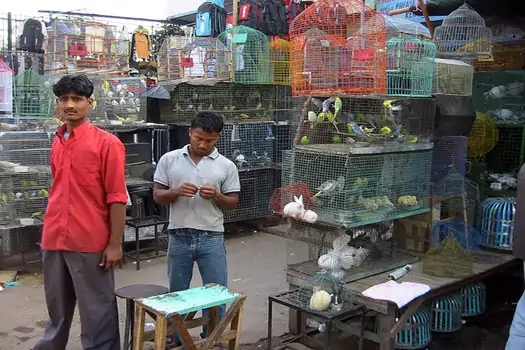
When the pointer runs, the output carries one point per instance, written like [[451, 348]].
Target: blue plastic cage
[[446, 313], [474, 299], [415, 334], [497, 222]]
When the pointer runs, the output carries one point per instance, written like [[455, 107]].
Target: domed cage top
[[338, 47], [463, 34], [250, 54]]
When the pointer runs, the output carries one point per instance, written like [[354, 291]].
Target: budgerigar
[[330, 187]]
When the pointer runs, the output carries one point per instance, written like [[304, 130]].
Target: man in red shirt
[[83, 225]]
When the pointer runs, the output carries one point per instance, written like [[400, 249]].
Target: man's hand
[[208, 192], [112, 256], [187, 189]]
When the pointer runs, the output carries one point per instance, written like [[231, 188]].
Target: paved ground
[[256, 262]]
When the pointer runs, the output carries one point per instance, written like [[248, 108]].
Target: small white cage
[[463, 35], [400, 27], [452, 77]]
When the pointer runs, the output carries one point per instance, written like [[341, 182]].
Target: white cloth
[[399, 293]]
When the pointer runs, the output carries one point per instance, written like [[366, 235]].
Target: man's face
[[201, 142], [72, 107]]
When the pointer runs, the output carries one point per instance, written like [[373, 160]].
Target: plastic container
[[6, 89]]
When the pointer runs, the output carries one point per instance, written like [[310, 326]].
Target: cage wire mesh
[[410, 67], [234, 102], [449, 158], [183, 57], [508, 154], [450, 254], [20, 61], [250, 54], [257, 186], [248, 145], [401, 27], [504, 57], [283, 140], [465, 204], [347, 255], [357, 189], [338, 48], [77, 45], [280, 62], [452, 77], [501, 95], [463, 35], [33, 95], [362, 125]]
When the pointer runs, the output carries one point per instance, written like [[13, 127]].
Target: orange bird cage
[[338, 47]]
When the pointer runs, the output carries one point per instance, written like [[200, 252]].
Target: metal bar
[[9, 33], [102, 16]]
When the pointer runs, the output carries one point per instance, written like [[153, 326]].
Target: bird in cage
[[330, 187], [320, 300]]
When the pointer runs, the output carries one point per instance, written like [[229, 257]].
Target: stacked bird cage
[[338, 48], [504, 58], [193, 58], [463, 35], [474, 299], [401, 27], [452, 77], [250, 52], [280, 62], [452, 243], [446, 313], [368, 161], [416, 333], [76, 45], [117, 99], [410, 67], [33, 96]]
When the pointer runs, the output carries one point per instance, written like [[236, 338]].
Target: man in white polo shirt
[[199, 184]]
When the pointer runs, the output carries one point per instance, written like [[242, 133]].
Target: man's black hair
[[77, 84], [208, 121]]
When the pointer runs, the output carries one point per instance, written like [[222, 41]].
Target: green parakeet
[[349, 128], [336, 139], [305, 140]]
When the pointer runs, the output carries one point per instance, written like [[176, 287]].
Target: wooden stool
[[130, 293], [168, 308]]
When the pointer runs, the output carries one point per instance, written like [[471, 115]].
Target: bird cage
[[415, 334], [504, 58], [182, 57], [450, 253], [76, 46], [401, 27], [6, 89], [508, 154], [483, 136], [501, 95], [338, 48], [280, 62], [327, 284], [474, 299], [250, 52], [446, 313], [236, 103], [449, 159], [452, 77], [248, 145], [33, 95], [410, 67], [496, 223], [346, 255], [463, 35], [117, 100]]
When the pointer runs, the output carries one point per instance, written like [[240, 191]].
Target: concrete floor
[[256, 267]]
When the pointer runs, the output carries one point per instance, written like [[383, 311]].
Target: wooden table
[[487, 263]]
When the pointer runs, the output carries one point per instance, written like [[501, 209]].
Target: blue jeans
[[187, 246], [516, 339]]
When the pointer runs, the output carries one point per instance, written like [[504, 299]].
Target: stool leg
[[161, 327], [236, 325], [156, 240], [129, 323], [138, 331], [213, 319], [137, 247]]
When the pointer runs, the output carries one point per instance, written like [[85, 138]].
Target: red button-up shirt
[[88, 175]]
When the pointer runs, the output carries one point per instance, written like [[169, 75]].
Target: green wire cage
[[250, 54], [32, 95], [410, 67]]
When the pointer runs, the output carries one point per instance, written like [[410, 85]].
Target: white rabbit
[[310, 216], [295, 209]]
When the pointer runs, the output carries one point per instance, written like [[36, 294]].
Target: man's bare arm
[[227, 201], [117, 219], [164, 195]]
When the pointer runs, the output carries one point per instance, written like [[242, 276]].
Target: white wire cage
[[463, 35]]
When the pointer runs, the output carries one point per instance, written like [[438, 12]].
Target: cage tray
[[308, 269], [345, 149]]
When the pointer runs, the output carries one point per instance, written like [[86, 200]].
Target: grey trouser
[[70, 277]]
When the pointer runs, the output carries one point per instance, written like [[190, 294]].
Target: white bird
[[320, 300]]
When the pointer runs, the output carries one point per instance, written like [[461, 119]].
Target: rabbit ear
[[301, 199], [295, 199]]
